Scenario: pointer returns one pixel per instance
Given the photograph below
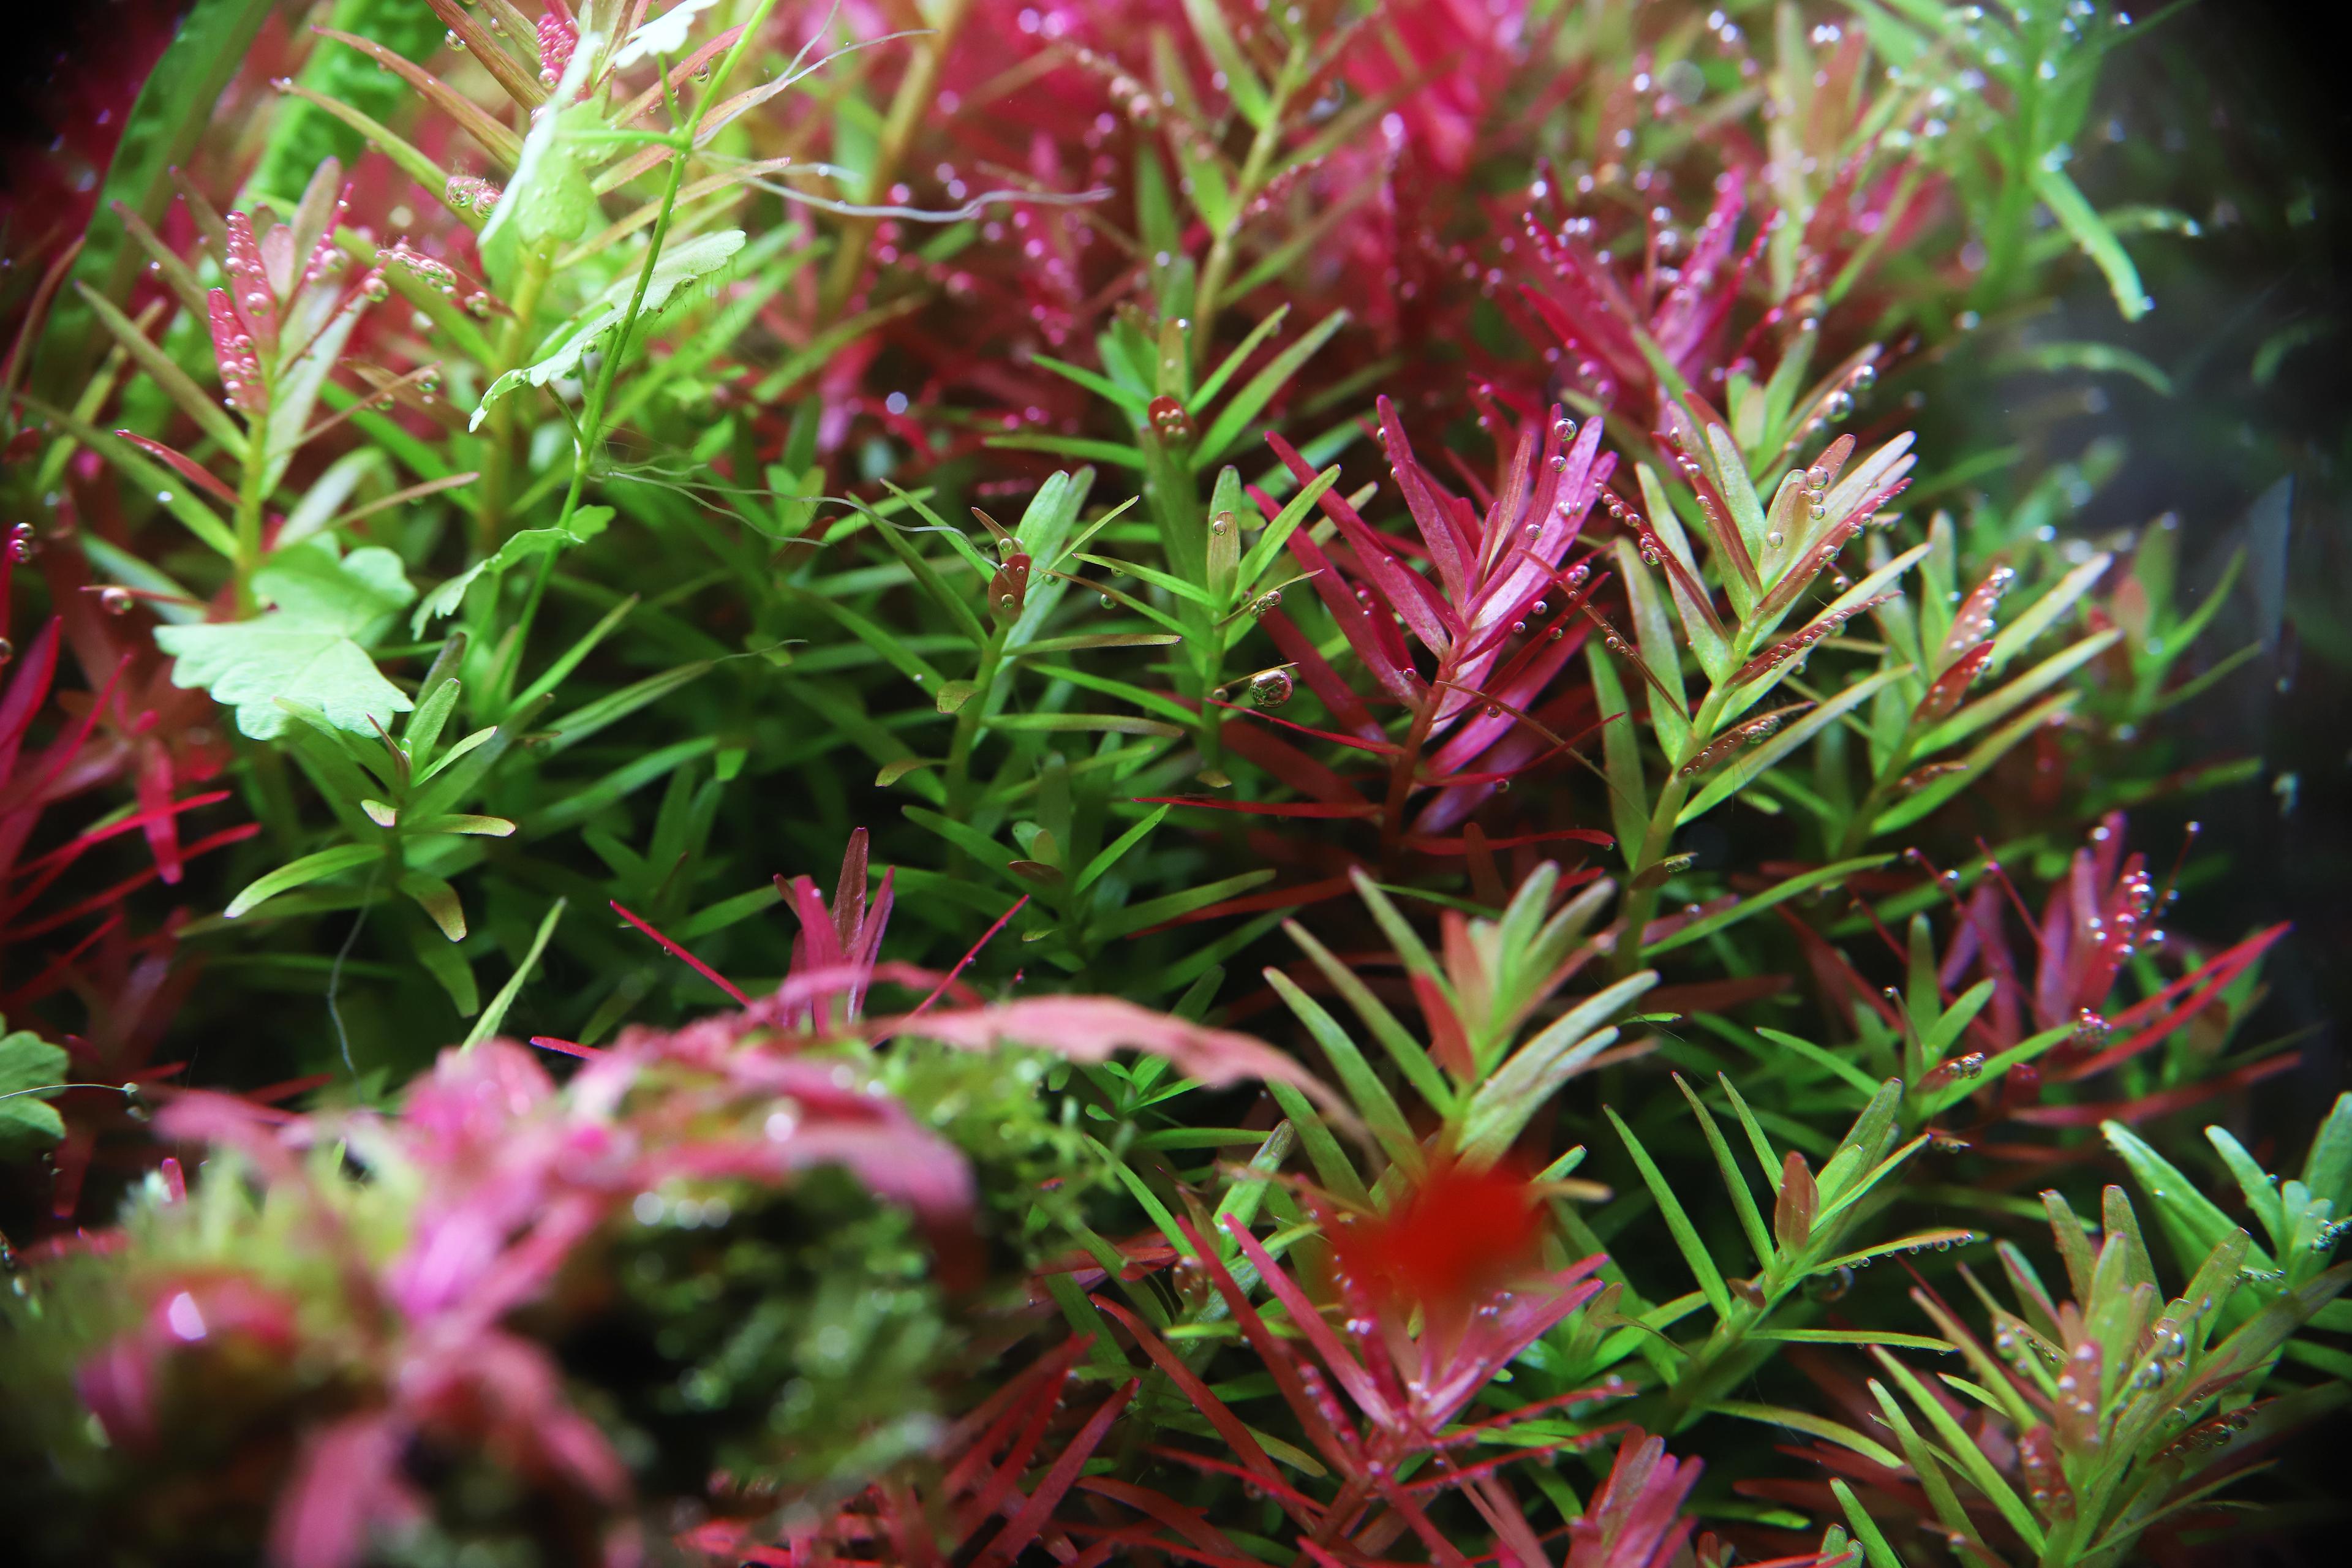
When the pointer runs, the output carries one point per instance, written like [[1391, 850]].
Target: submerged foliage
[[1448, 824]]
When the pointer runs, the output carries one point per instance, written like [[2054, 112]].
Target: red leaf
[[688, 959], [187, 467], [2209, 980], [1023, 1526], [2164, 1102], [1251, 903], [1944, 696]]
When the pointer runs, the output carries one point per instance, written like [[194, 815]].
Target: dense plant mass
[[1447, 827]]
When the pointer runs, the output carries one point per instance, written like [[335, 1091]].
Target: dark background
[[2240, 100]]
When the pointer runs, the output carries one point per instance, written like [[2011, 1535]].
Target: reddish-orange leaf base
[[1459, 1236]]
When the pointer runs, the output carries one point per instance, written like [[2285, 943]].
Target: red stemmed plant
[[60, 751], [2040, 1025], [1486, 593]]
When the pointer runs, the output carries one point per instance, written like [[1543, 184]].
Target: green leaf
[[1851, 1337], [311, 648], [158, 481], [1621, 750], [1500, 1109], [1738, 494], [1382, 1116], [1736, 775], [1686, 1240], [1230, 366], [1820, 877], [2096, 357], [1157, 578], [28, 1065], [496, 1013], [560, 356], [1812, 1427], [586, 523], [1249, 94], [2327, 1169], [1093, 451], [301, 873], [438, 900], [2190, 1220], [1111, 724], [1411, 1059], [1964, 1450], [589, 718], [2075, 215], [1153, 912], [1815, 1054], [1932, 1478], [301, 137], [1126, 397], [550, 199], [1112, 852], [927, 577], [1653, 634], [1877, 1551], [1260, 390], [1982, 756]]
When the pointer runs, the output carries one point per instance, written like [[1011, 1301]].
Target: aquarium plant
[[953, 782]]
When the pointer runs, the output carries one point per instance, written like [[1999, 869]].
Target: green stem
[[1643, 899], [1209, 670], [1220, 261], [1857, 828], [498, 462], [967, 727], [250, 497], [1729, 1336], [589, 438]]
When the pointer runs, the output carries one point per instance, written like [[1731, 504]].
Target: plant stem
[[250, 497], [1643, 896], [497, 463], [1857, 828], [589, 438], [1401, 772], [1220, 260], [967, 727]]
